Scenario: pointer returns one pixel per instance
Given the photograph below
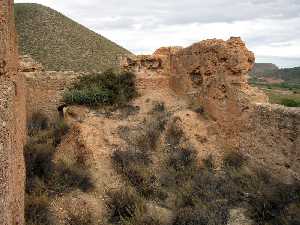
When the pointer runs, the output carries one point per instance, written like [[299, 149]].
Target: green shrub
[[103, 89], [290, 103]]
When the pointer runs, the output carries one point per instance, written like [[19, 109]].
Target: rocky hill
[[60, 43], [261, 68], [268, 70]]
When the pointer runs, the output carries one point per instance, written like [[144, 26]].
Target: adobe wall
[[44, 89], [152, 71], [213, 74], [45, 92], [271, 134], [12, 122]]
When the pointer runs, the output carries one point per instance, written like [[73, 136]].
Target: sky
[[270, 28]]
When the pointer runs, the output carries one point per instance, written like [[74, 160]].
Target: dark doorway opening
[[60, 110]]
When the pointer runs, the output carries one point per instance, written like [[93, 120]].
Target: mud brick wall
[[12, 122], [45, 91]]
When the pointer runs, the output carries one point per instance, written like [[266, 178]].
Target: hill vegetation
[[47, 179], [60, 43], [100, 89], [194, 194], [290, 75]]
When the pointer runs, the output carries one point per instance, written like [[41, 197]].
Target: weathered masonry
[[12, 122]]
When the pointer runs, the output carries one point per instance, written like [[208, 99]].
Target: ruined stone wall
[[212, 74], [271, 135], [12, 122], [152, 71], [45, 91]]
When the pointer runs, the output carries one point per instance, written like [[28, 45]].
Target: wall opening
[[60, 110]]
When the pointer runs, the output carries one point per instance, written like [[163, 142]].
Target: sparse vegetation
[[124, 205], [290, 102], [102, 89], [283, 93], [83, 218], [234, 160], [195, 192], [36, 209], [45, 178]]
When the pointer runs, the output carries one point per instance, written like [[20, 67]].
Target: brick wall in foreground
[[12, 122]]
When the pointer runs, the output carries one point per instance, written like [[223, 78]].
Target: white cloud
[[271, 28]]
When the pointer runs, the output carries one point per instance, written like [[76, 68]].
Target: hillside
[[59, 43], [290, 75], [269, 70], [261, 69]]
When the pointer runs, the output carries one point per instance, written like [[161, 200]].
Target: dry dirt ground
[[96, 135]]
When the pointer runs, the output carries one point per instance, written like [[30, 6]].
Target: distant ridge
[[59, 43], [269, 70]]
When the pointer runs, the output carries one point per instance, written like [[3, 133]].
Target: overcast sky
[[271, 28]]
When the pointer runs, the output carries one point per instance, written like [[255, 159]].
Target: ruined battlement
[[213, 74], [44, 89]]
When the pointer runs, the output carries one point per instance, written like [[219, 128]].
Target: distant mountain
[[269, 71], [59, 43], [262, 68], [290, 75]]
